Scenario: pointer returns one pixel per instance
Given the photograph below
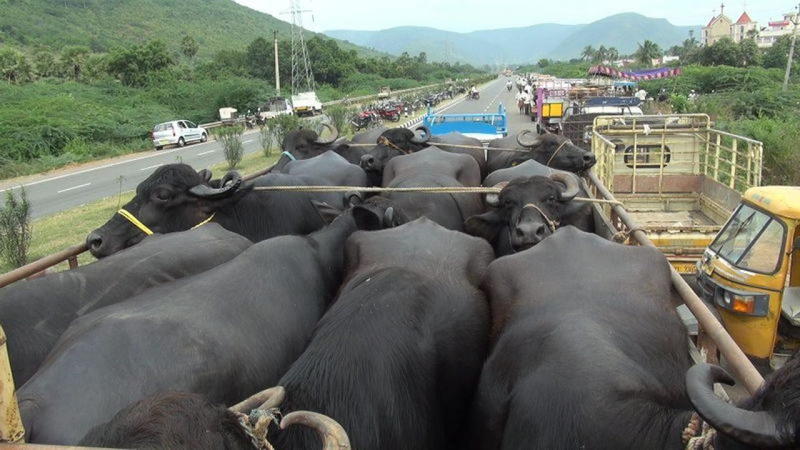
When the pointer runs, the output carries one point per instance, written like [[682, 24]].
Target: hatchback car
[[177, 132]]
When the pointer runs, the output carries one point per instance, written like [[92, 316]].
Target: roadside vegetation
[[15, 229], [738, 85], [73, 104]]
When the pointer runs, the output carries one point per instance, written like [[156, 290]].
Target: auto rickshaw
[[751, 273]]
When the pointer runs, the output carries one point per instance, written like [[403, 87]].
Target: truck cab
[[751, 273]]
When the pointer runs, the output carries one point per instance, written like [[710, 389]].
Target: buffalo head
[[554, 151], [174, 198], [305, 144], [392, 143], [768, 419], [528, 208]]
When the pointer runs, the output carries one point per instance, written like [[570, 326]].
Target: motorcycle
[[474, 96], [366, 119], [509, 86]]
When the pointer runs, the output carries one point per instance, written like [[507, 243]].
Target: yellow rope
[[443, 144], [132, 219], [421, 190]]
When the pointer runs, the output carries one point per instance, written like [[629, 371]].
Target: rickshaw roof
[[783, 201]]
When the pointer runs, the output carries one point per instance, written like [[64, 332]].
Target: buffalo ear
[[205, 174], [327, 212], [367, 219], [352, 198], [485, 225]]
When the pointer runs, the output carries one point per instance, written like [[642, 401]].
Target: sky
[[471, 15]]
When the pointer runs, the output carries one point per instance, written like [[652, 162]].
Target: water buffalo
[[552, 150], [176, 198], [433, 167], [456, 142], [391, 143], [594, 356], [182, 420], [35, 313], [525, 212], [327, 169], [225, 333], [305, 144], [354, 149], [396, 358]]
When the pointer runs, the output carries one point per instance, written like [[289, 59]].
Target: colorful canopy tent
[[636, 75]]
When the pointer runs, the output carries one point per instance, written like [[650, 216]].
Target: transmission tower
[[302, 78]]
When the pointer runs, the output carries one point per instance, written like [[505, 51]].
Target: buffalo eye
[[551, 199], [162, 195]]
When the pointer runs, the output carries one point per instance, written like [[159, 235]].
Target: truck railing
[[735, 161]]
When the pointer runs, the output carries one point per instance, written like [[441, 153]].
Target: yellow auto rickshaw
[[751, 273]]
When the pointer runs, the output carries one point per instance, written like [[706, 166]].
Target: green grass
[[68, 228]]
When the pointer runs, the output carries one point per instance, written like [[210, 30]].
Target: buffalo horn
[[330, 432], [493, 200], [388, 217], [330, 140], [267, 399], [205, 174], [754, 428], [227, 186], [527, 143], [423, 139], [571, 183]]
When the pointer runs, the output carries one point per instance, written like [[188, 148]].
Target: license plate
[[708, 269], [685, 268]]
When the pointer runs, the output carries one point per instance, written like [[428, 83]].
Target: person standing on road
[[527, 99], [520, 102]]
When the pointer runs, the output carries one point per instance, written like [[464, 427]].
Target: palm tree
[[14, 66], [73, 59], [588, 53], [647, 52], [613, 53], [601, 54]]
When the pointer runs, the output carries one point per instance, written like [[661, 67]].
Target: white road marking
[[72, 188], [150, 167], [205, 153], [248, 141]]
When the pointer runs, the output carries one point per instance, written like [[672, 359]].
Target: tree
[[73, 60], [778, 54], [724, 52], [44, 63], [749, 53], [134, 64], [14, 66], [260, 58], [613, 53], [588, 53], [189, 47], [15, 229], [544, 62], [601, 54], [647, 52]]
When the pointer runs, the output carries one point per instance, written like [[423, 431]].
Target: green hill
[[104, 24]]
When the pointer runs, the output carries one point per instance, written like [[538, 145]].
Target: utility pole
[[791, 51], [277, 65]]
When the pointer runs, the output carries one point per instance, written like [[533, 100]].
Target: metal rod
[[40, 265], [742, 366], [11, 429]]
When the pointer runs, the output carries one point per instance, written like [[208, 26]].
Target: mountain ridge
[[507, 45]]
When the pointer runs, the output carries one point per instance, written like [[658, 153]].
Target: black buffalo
[[176, 198], [391, 143], [552, 150], [35, 313], [433, 167], [456, 142], [327, 169], [593, 356], [225, 333], [304, 144], [396, 358], [357, 147]]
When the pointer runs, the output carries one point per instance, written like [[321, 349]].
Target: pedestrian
[[520, 102]]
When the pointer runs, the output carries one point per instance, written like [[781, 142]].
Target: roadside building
[[721, 26], [775, 29]]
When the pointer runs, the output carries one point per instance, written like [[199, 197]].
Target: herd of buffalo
[[412, 320]]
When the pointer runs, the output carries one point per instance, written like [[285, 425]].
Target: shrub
[[232, 148], [266, 140], [15, 229], [340, 117], [280, 126]]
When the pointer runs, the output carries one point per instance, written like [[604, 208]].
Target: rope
[[555, 153], [475, 147], [421, 190], [552, 224], [146, 230], [623, 235], [698, 435], [384, 141], [256, 426]]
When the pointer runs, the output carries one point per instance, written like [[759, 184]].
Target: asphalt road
[[68, 189]]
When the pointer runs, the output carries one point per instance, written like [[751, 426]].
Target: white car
[[177, 132]]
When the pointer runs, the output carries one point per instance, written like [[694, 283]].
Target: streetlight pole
[[277, 65], [791, 50]]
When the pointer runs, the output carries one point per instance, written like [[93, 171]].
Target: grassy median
[[68, 228]]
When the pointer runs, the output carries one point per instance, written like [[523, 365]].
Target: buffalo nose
[[589, 160], [94, 241], [367, 161], [531, 234]]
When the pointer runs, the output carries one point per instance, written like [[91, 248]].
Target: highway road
[[66, 189]]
